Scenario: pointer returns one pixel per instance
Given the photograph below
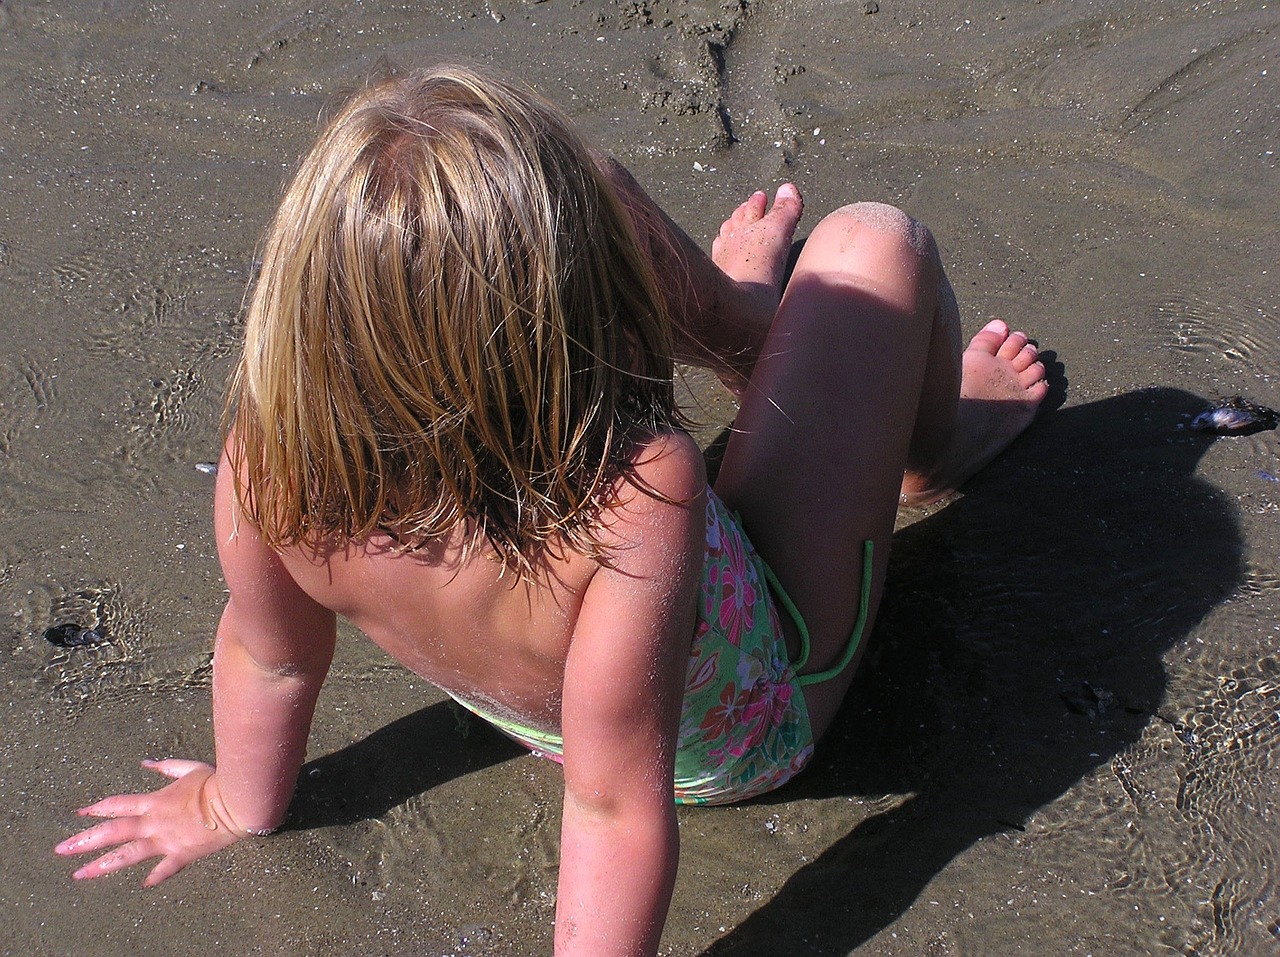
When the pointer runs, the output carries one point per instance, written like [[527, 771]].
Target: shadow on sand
[[409, 756], [1019, 647]]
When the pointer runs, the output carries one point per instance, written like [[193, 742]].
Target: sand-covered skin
[[1064, 737]]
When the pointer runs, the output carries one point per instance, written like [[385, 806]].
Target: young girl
[[453, 425]]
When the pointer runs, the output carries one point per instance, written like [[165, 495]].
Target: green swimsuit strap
[[855, 638]]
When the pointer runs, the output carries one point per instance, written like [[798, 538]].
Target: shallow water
[[1064, 737]]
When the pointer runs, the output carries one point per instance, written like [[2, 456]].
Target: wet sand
[[1065, 737]]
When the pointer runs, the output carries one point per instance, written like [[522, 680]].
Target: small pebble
[[208, 468]]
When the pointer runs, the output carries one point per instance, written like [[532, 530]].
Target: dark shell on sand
[[71, 635], [1236, 416]]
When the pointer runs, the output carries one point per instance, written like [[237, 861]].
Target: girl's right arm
[[272, 653], [274, 647]]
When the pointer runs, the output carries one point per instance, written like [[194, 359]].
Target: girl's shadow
[[1018, 648]]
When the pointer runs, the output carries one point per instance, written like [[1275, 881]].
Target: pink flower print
[[704, 674], [767, 704], [752, 726], [711, 589], [722, 718], [737, 592], [774, 708], [736, 723]]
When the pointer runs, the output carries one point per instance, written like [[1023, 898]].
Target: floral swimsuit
[[744, 725]]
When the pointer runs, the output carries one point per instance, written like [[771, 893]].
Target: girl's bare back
[[451, 612]]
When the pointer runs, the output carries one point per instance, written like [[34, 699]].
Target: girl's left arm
[[273, 650], [623, 688]]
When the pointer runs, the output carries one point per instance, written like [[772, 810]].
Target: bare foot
[[1001, 387], [752, 250]]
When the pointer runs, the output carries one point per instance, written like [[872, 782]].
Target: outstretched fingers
[[180, 823], [168, 866], [121, 805], [126, 855], [135, 805], [174, 767], [126, 836], [133, 853], [108, 833]]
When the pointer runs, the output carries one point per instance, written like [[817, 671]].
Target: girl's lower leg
[[720, 315], [861, 393]]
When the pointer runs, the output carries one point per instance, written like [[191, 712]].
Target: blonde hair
[[454, 322]]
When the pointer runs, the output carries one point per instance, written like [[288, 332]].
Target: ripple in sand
[[1200, 800], [28, 389], [1224, 325], [180, 322], [520, 867], [1259, 582], [129, 663], [1229, 787], [1226, 59], [307, 25], [173, 419], [196, 296], [165, 409], [1177, 832]]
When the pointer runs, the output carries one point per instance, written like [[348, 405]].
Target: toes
[[991, 338], [1025, 357], [787, 203], [1033, 375], [1012, 345], [748, 212]]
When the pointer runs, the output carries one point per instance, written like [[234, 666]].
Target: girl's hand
[[180, 823]]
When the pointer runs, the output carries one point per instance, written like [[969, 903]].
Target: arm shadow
[[1019, 647], [411, 755]]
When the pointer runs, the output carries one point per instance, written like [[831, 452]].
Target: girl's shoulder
[[659, 501], [666, 463]]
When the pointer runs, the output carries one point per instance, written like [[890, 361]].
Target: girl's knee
[[884, 227], [879, 245]]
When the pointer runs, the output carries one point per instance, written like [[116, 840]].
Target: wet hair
[[455, 325]]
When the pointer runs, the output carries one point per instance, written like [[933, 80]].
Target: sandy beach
[[1065, 737]]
